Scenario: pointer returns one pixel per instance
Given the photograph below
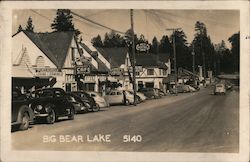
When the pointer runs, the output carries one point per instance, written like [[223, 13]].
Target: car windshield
[[44, 93]]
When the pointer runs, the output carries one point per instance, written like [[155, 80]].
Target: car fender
[[25, 108]]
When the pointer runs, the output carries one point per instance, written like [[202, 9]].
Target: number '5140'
[[132, 138]]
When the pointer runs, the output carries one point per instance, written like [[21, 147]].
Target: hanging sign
[[82, 70], [143, 47], [116, 71], [42, 72]]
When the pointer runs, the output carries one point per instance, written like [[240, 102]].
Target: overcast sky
[[221, 24]]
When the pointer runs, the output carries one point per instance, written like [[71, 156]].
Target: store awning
[[30, 82]]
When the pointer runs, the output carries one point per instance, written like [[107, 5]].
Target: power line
[[40, 15], [96, 23]]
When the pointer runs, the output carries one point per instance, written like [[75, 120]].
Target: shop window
[[40, 61], [160, 71], [164, 72], [150, 71], [58, 93], [149, 84]]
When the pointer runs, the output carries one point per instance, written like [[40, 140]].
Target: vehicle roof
[[51, 88]]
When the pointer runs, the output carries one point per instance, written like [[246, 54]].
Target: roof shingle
[[54, 45]]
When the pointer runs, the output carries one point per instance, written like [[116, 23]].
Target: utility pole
[[133, 54], [174, 51], [203, 58], [193, 54]]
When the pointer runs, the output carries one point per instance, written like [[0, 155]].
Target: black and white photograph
[[124, 80]]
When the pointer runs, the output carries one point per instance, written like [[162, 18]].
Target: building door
[[149, 84], [68, 87], [91, 87], [88, 87], [140, 84]]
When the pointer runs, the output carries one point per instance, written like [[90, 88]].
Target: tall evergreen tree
[[113, 39], [97, 41], [183, 55], [154, 46], [63, 21], [235, 50], [20, 28], [204, 49], [165, 46], [29, 26]]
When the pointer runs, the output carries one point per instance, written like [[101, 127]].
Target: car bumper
[[102, 104]]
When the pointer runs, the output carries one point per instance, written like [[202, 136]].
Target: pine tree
[[20, 28], [63, 21], [155, 46], [29, 26], [97, 41]]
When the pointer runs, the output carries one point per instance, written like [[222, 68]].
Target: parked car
[[220, 89], [150, 92], [161, 92], [181, 88], [191, 89], [100, 101], [79, 104], [85, 96], [50, 104], [140, 96], [21, 114], [120, 97]]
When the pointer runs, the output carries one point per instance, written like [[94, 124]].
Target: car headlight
[[38, 108]]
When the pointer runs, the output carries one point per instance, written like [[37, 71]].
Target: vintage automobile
[[50, 104], [100, 101], [85, 96], [150, 92], [80, 105], [181, 88], [140, 96], [220, 88], [120, 97], [191, 89], [161, 93], [21, 114]]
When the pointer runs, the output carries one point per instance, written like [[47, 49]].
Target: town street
[[189, 122]]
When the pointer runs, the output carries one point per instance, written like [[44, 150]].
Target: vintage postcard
[[124, 81]]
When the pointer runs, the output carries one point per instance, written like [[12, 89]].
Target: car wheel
[[126, 102], [88, 107], [72, 114], [24, 121], [96, 108], [138, 100], [51, 118]]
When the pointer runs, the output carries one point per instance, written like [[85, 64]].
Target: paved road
[[191, 122]]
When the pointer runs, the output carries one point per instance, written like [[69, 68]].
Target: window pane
[[150, 72]]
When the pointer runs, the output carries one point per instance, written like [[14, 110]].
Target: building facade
[[44, 59]]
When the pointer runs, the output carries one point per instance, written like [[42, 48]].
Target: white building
[[44, 59]]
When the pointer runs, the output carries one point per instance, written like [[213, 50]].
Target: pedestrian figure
[[124, 97]]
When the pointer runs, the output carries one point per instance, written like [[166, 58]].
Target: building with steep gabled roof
[[50, 57]]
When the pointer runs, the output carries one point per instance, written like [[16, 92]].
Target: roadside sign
[[83, 59], [143, 47], [41, 72], [82, 70], [117, 71]]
